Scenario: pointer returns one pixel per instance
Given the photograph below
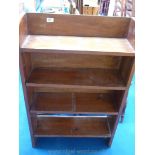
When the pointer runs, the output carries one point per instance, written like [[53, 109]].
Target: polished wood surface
[[72, 43], [71, 88], [79, 66], [72, 60], [72, 127], [131, 33], [52, 103], [74, 103], [23, 31], [73, 25], [26, 61], [91, 78], [95, 103]]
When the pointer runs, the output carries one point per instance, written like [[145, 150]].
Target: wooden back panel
[[74, 61], [73, 25]]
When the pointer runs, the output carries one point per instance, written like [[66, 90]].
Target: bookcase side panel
[[26, 99]]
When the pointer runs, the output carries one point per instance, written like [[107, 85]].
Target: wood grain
[[27, 64], [58, 60], [73, 25], [23, 31], [95, 103], [126, 67], [111, 122], [52, 103], [77, 64], [76, 78], [27, 99], [131, 33], [81, 44], [71, 127], [71, 89], [74, 103]]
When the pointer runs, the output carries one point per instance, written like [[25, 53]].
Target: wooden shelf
[[77, 78], [75, 73], [78, 103], [52, 103], [74, 43], [72, 127], [96, 103]]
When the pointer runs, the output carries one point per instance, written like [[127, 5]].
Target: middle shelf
[[75, 103], [90, 79]]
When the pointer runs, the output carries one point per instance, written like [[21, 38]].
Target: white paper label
[[49, 20]]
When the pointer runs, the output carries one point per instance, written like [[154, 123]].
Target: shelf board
[[52, 103], [90, 79], [72, 127], [95, 103], [70, 103], [81, 44]]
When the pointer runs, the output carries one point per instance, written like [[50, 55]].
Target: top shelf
[[110, 46]]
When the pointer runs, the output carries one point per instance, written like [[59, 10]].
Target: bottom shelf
[[72, 127]]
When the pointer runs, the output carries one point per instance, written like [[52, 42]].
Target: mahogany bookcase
[[76, 72]]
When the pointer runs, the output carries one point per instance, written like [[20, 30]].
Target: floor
[[123, 143]]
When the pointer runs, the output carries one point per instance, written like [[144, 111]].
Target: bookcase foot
[[123, 113], [109, 142], [34, 141], [122, 119]]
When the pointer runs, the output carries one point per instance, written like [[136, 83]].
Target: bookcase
[[76, 71]]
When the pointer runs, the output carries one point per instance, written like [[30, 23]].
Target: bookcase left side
[[24, 72]]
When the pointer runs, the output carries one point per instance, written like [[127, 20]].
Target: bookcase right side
[[126, 71], [127, 68]]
